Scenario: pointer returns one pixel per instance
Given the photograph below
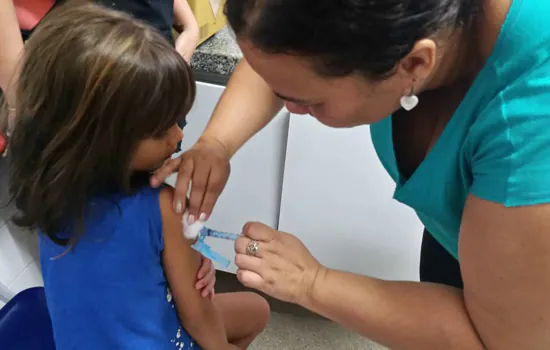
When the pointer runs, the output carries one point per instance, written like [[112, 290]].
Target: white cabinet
[[338, 199], [325, 185], [253, 192]]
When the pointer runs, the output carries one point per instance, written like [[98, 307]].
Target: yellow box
[[209, 23]]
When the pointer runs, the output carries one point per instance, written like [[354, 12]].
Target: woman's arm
[[186, 24], [11, 48], [400, 315], [199, 316], [246, 106], [505, 264]]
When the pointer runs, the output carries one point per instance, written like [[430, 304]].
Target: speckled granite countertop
[[217, 55]]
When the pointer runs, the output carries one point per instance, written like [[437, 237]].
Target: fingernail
[[191, 219], [202, 217], [179, 207]]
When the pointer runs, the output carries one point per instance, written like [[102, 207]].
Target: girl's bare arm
[[199, 316]]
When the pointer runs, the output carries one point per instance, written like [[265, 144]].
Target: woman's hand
[[206, 278], [282, 266], [207, 166]]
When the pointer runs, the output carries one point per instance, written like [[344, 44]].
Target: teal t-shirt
[[497, 144]]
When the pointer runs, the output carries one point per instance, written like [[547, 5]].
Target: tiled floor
[[293, 328]]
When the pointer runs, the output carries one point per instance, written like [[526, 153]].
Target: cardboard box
[[209, 15]]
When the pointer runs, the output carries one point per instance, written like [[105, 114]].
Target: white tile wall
[[30, 277], [19, 265], [14, 255]]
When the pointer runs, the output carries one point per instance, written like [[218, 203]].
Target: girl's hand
[[206, 166], [282, 267], [186, 43], [206, 278]]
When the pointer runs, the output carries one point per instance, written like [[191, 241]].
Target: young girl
[[98, 102]]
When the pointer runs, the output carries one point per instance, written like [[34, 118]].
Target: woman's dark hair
[[346, 36], [93, 84]]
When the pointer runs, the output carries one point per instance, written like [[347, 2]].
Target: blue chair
[[25, 323]]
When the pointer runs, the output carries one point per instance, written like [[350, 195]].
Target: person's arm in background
[[11, 48], [246, 106], [199, 316], [188, 28]]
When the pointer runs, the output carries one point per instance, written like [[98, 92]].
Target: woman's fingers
[[242, 243], [248, 262], [186, 169], [199, 182], [204, 168], [251, 280], [259, 232], [216, 182], [252, 271], [167, 169], [282, 266]]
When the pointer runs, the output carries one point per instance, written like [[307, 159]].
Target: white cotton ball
[[191, 231]]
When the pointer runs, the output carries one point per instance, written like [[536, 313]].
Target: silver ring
[[252, 248]]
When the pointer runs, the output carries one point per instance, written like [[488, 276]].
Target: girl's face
[[152, 152]]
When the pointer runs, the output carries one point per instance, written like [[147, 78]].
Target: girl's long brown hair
[[93, 84]]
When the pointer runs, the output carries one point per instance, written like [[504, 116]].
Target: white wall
[[338, 199], [19, 266]]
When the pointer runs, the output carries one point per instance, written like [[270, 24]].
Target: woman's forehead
[[291, 77]]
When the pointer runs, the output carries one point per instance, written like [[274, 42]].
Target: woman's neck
[[464, 53], [456, 61]]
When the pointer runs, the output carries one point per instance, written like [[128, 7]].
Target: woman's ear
[[420, 62]]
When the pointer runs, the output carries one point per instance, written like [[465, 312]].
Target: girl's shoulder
[[128, 223]]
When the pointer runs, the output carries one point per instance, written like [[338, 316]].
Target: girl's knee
[[246, 314], [261, 310]]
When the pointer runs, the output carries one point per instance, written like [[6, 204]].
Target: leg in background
[[245, 316], [437, 265]]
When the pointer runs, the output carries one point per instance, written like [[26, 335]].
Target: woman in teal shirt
[[458, 96]]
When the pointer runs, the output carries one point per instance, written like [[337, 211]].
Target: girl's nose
[[176, 134]]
